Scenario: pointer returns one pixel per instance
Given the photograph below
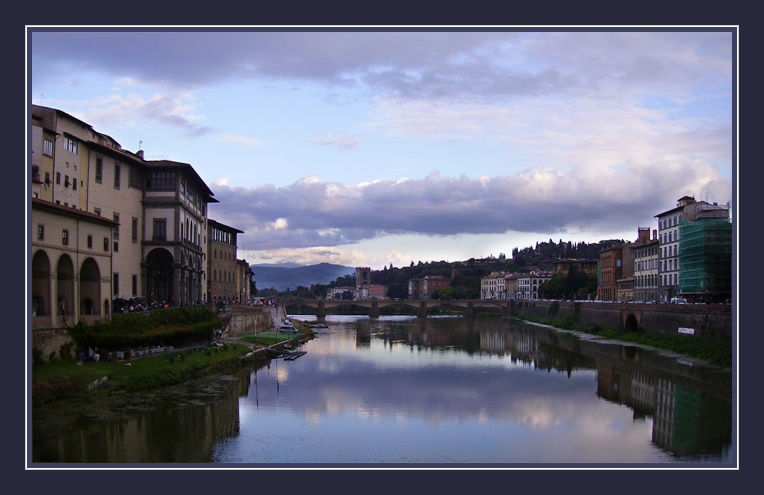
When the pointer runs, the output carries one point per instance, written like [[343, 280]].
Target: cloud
[[314, 214], [450, 65], [345, 142], [130, 110]]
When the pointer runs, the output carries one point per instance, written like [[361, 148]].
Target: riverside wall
[[246, 319], [715, 321], [238, 320]]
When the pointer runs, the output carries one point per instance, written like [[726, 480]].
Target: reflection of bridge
[[422, 307], [702, 320]]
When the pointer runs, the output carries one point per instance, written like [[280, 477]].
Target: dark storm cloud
[[541, 200], [454, 65]]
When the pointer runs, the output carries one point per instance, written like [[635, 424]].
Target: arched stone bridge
[[702, 320], [374, 305]]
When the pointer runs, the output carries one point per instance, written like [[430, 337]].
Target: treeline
[[465, 283]]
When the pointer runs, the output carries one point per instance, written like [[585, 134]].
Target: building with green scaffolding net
[[705, 259]]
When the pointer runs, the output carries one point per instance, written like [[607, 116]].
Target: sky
[[364, 148]]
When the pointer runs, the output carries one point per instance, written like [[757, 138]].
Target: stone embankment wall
[[713, 321], [239, 320], [246, 319], [49, 340]]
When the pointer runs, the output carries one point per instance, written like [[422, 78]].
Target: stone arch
[[631, 324], [65, 285], [159, 275], [90, 287], [41, 284]]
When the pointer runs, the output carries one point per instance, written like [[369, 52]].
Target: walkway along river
[[435, 391]]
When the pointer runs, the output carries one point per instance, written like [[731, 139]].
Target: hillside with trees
[[467, 274]]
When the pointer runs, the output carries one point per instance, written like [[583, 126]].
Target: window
[[74, 184], [99, 170], [161, 181], [47, 147], [40, 232], [116, 229], [116, 247], [135, 230], [90, 242], [115, 283], [117, 175], [65, 237], [47, 178], [160, 229], [106, 244], [135, 285], [97, 211], [133, 177], [66, 181], [70, 145], [58, 178]]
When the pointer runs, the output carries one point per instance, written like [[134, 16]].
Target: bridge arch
[[631, 323]]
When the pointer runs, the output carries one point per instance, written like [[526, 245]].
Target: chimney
[[140, 153]]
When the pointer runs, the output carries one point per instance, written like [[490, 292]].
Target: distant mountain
[[288, 264], [284, 277]]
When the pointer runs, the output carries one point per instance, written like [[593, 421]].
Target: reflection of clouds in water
[[537, 413]]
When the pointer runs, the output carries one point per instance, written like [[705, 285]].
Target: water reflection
[[440, 391]]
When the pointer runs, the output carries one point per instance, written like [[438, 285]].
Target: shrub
[[167, 327]]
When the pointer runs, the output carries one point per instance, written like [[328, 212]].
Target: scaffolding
[[705, 259]]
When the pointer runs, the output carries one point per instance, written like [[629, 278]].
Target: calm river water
[[461, 392]]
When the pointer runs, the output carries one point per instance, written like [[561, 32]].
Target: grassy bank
[[717, 352], [65, 378]]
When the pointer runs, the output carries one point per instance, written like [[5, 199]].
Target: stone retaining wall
[[248, 320], [713, 321]]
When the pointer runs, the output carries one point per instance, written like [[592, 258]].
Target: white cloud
[[232, 138]]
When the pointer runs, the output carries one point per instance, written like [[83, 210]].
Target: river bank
[[60, 379]]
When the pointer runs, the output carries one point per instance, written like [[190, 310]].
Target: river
[[433, 392]]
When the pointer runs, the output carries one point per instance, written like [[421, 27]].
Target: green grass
[[716, 351], [58, 379]]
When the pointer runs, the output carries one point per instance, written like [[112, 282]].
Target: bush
[[166, 327]]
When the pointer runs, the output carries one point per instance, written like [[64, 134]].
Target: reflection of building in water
[[643, 392], [180, 434], [663, 424], [685, 421], [520, 344]]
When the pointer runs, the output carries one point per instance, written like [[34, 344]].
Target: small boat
[[319, 325], [287, 327], [294, 355]]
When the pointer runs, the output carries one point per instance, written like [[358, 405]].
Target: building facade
[[155, 212], [668, 236], [493, 286], [244, 276], [221, 248], [528, 284], [424, 288], [71, 265], [705, 255], [691, 217], [646, 260], [611, 270]]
